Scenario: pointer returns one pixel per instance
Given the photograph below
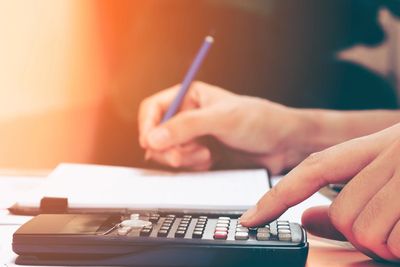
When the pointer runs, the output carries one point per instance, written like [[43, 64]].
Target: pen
[[187, 81]]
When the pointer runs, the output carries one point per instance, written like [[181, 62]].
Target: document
[[107, 187]]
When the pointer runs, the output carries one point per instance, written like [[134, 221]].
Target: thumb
[[316, 221], [181, 128]]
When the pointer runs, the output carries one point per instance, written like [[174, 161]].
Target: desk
[[322, 253]]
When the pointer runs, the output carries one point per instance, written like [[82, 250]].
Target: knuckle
[[318, 163], [362, 236], [314, 159], [206, 155], [336, 217]]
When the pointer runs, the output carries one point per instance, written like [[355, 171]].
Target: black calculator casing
[[86, 240]]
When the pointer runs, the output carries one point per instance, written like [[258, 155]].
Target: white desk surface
[[11, 188]]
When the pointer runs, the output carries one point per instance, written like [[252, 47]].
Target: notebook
[[98, 188]]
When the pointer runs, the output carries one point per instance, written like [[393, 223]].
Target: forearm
[[327, 127]]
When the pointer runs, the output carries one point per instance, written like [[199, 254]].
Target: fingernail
[[246, 217], [158, 137]]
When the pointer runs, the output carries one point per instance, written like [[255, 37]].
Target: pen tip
[[209, 39]]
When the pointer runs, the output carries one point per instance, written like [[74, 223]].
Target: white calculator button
[[135, 216], [241, 236], [135, 223], [124, 230]]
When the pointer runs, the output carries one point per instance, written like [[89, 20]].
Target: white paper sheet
[[94, 186]]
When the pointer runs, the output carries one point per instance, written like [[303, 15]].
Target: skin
[[366, 212], [216, 128]]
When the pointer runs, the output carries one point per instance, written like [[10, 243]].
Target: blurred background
[[73, 72]]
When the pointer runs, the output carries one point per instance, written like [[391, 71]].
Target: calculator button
[[166, 228], [187, 217], [283, 231], [180, 233], [135, 216], [283, 227], [171, 216], [241, 236], [242, 229], [198, 229], [282, 223], [263, 236], [220, 235], [154, 219], [224, 221], [284, 237], [203, 218], [135, 223], [221, 229], [197, 234], [222, 225], [224, 218], [181, 228], [124, 230], [263, 230], [145, 232], [183, 225], [162, 233]]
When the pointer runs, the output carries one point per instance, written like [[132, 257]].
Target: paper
[[96, 186], [13, 187]]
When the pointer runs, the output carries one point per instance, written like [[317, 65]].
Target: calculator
[[156, 239]]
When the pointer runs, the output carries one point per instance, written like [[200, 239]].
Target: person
[[217, 128]]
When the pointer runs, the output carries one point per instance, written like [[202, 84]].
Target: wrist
[[322, 129], [313, 130]]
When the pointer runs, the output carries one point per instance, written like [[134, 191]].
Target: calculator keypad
[[183, 226], [208, 228], [166, 225], [222, 228], [200, 227]]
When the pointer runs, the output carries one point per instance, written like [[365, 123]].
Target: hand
[[216, 126], [367, 210]]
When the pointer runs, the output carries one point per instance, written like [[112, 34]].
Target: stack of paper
[[96, 186]]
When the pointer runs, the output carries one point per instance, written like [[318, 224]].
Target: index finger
[[152, 109], [334, 165]]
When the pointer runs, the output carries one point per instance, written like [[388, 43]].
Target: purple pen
[[187, 81]]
